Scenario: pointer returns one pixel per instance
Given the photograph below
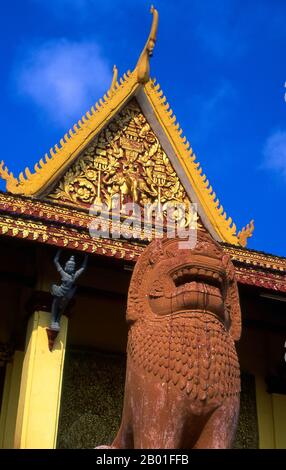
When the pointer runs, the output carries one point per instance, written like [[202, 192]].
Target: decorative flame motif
[[5, 174]]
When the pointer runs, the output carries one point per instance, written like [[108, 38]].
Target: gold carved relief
[[127, 159]]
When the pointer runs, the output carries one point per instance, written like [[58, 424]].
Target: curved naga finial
[[143, 66], [245, 233], [11, 182]]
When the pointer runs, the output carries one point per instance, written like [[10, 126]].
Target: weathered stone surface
[[182, 380]]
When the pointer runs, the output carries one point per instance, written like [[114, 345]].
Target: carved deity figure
[[183, 379], [64, 292]]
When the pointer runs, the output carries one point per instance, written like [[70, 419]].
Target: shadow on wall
[[92, 398]]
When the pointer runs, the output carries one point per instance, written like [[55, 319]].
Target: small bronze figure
[[64, 292]]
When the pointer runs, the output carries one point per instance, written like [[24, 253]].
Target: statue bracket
[[52, 335]]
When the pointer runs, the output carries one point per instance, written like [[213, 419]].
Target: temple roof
[[136, 84]]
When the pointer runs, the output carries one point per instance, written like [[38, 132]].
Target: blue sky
[[221, 64]]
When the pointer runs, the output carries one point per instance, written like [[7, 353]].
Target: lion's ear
[[134, 309], [233, 307], [232, 304], [136, 293]]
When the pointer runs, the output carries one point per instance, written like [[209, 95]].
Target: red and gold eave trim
[[64, 237], [67, 227]]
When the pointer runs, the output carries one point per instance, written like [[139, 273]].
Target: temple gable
[[125, 158]]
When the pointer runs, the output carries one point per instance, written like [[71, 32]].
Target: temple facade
[[64, 388]]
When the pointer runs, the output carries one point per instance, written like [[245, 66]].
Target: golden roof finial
[[245, 233], [143, 66], [8, 176], [114, 79]]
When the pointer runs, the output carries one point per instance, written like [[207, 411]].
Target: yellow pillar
[[279, 415], [10, 401], [5, 401], [41, 381], [264, 415]]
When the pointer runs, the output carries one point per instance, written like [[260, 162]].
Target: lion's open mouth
[[195, 288], [190, 274]]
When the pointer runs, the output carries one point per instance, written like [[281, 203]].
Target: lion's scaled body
[[182, 380]]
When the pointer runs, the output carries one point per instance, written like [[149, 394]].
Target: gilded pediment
[[127, 159]]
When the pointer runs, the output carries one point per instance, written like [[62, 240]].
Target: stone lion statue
[[182, 380]]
